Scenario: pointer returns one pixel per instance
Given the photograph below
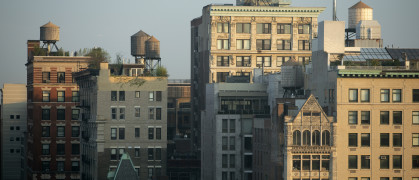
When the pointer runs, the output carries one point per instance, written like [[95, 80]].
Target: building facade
[[233, 40], [53, 140], [122, 114], [13, 124]]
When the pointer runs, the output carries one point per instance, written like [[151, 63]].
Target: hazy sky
[[109, 24]]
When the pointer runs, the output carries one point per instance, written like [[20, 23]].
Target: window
[[384, 162], [365, 139], [232, 143], [384, 140], [325, 162], [233, 176], [60, 149], [158, 113], [75, 131], [113, 113], [12, 116], [263, 28], [151, 96], [303, 44], [243, 61], [365, 95], [222, 76], [415, 95], [397, 162], [158, 133], [232, 161], [397, 117], [281, 60], [45, 96], [60, 96], [397, 95], [315, 162], [75, 96], [243, 28], [224, 160], [45, 149], [397, 140], [306, 162], [121, 95], [316, 138], [352, 162], [158, 154], [61, 77], [384, 117], [121, 133], [365, 178], [223, 60], [75, 149], [385, 95], [224, 141], [151, 113], [121, 113], [158, 95], [365, 161], [243, 44], [397, 178], [353, 95], [304, 29], [150, 153], [150, 133], [60, 166], [284, 28], [353, 139], [75, 114], [45, 77], [306, 138], [248, 144], [415, 117], [113, 154], [137, 152], [223, 27], [137, 94], [61, 131], [296, 162], [75, 166], [232, 125], [265, 60], [17, 116], [113, 133], [415, 139], [296, 137], [113, 96], [12, 128], [415, 161], [225, 126], [283, 44], [137, 112], [353, 117], [60, 114], [223, 44], [365, 117], [263, 44], [121, 152], [137, 132], [45, 165], [45, 131]]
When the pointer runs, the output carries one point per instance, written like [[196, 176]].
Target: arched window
[[316, 138], [326, 138], [306, 137], [296, 137]]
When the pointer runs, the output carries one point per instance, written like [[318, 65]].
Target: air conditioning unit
[[383, 157]]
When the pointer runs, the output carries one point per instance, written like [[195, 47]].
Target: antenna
[[334, 11]]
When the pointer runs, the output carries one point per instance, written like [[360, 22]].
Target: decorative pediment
[[311, 112]]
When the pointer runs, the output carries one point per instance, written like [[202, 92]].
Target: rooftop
[[360, 5]]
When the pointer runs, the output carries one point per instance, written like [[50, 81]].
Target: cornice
[[265, 11]]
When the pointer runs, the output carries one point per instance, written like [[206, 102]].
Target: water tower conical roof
[[360, 5], [153, 39], [140, 33], [50, 25]]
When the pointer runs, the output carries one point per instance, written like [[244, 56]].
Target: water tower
[[138, 46], [292, 77], [50, 34], [152, 54], [358, 12]]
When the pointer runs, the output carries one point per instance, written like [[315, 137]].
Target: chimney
[[31, 46]]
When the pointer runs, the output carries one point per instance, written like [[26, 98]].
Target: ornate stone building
[[309, 149]]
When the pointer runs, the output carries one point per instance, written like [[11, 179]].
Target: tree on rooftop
[[161, 71], [98, 55]]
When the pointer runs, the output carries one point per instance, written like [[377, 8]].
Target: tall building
[[122, 113], [53, 140], [227, 129], [13, 124], [232, 40]]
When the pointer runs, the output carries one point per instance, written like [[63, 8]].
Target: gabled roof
[[312, 105], [360, 5], [125, 170]]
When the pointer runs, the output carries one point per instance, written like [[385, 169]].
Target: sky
[[109, 24]]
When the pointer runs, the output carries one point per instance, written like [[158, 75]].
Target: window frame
[[302, 28], [283, 27], [263, 44], [223, 61], [265, 60], [241, 44], [384, 95], [304, 45], [367, 91], [354, 97], [283, 44], [243, 61], [243, 28], [397, 95], [223, 27], [60, 96], [60, 77], [263, 28], [223, 44]]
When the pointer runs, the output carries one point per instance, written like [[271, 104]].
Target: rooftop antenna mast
[[334, 11]]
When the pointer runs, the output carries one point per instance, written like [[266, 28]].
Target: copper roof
[[360, 5], [153, 39], [50, 25]]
